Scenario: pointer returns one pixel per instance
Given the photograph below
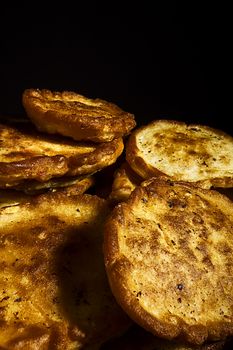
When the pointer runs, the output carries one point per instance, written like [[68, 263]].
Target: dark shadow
[[84, 297]]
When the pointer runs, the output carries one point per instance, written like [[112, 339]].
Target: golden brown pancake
[[26, 154], [82, 182], [54, 292], [71, 114], [183, 152], [168, 256]]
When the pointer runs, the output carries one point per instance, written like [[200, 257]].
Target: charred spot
[[204, 163], [16, 315], [170, 183], [55, 300], [144, 200], [13, 264], [179, 300], [3, 299], [177, 202], [183, 205], [139, 294], [179, 286], [18, 300], [194, 129]]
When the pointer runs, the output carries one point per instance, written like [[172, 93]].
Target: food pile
[[113, 236]]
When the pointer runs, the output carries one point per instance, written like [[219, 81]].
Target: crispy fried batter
[[70, 114], [9, 197], [82, 184], [124, 182], [168, 255], [193, 153], [26, 154], [54, 292]]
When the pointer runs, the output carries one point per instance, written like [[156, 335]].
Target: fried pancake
[[168, 255], [136, 338], [26, 154], [182, 152], [10, 197], [82, 183], [70, 114], [124, 182], [54, 292]]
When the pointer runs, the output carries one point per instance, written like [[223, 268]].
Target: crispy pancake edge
[[84, 122], [145, 170]]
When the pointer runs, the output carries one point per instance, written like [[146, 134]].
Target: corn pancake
[[168, 256], [26, 154], [74, 115], [182, 152], [54, 292]]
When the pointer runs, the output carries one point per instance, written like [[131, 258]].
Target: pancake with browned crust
[[54, 292], [125, 181], [26, 154], [74, 115], [9, 197], [168, 255], [82, 183], [182, 152]]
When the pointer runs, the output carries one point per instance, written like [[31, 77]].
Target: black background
[[156, 60]]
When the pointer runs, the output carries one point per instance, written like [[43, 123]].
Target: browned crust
[[136, 162], [78, 188], [43, 168], [76, 116], [81, 183], [40, 168], [146, 171], [116, 265], [105, 154]]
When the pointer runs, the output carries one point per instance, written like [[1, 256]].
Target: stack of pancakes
[[143, 264], [54, 292]]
